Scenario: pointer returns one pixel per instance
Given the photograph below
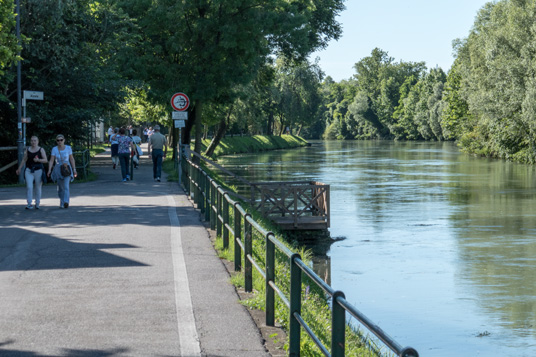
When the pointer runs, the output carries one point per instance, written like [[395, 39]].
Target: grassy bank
[[255, 143]]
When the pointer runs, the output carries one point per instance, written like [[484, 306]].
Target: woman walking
[[34, 158], [62, 155], [125, 144]]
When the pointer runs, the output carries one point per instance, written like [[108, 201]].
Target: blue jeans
[[157, 155], [63, 189], [124, 161]]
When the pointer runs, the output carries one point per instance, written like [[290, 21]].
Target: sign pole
[[20, 146], [180, 157]]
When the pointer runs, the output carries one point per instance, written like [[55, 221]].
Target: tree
[[69, 56], [208, 49], [380, 78], [498, 74], [8, 40]]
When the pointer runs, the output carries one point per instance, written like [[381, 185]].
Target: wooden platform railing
[[293, 205]]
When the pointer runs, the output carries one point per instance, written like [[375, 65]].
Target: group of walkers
[[124, 147], [62, 167]]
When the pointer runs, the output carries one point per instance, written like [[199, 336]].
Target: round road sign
[[180, 102]]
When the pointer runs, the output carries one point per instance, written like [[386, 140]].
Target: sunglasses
[[59, 139]]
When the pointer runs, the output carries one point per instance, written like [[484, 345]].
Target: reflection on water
[[440, 247]]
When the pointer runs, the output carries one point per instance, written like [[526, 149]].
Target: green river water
[[439, 247]]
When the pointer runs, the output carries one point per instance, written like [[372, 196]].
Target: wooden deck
[[293, 205]]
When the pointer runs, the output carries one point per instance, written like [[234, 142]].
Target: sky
[[408, 30]]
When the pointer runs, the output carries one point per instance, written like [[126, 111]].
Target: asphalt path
[[127, 270]]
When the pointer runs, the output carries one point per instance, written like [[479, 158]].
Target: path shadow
[[22, 249]]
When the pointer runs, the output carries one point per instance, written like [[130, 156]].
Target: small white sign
[[33, 95], [180, 124], [26, 120], [179, 115]]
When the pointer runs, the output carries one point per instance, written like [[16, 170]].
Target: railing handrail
[[215, 202], [12, 163]]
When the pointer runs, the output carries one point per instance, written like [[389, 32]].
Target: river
[[439, 247]]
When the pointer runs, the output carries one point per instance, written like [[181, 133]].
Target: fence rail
[[82, 160], [229, 218], [11, 164]]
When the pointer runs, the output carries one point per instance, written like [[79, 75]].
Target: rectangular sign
[[26, 120], [33, 95], [179, 115], [180, 124]]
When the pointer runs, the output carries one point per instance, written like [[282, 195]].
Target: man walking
[[157, 143]]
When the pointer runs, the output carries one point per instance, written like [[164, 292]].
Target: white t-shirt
[[136, 139], [62, 157]]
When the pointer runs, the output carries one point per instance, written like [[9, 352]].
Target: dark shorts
[[115, 149]]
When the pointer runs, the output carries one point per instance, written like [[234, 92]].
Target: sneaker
[[61, 205], [36, 207], [128, 178], [65, 205], [158, 179], [29, 207], [114, 166], [124, 180]]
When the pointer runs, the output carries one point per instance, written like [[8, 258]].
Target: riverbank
[[255, 143]]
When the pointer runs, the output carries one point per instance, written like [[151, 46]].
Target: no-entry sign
[[180, 102]]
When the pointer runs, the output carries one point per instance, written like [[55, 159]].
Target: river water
[[439, 247]]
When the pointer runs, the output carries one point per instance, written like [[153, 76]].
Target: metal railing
[[11, 164], [215, 203], [82, 160]]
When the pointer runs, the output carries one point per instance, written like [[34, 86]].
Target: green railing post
[[270, 277], [248, 251], [225, 220], [202, 191], [191, 175], [197, 197], [187, 177], [207, 198], [219, 216], [213, 204], [295, 306], [338, 325], [237, 237]]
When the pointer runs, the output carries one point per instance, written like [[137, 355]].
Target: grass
[[255, 143]]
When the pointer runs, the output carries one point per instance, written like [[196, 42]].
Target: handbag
[[65, 170], [43, 177]]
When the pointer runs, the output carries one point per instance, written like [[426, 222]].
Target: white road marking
[[189, 340]]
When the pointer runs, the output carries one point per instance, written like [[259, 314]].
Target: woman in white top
[[34, 158], [62, 154]]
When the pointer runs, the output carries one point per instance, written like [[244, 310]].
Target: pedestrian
[[145, 136], [123, 151], [110, 133], [150, 132], [114, 146], [157, 143], [136, 153], [34, 158], [62, 155]]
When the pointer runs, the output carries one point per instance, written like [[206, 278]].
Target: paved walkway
[[126, 270]]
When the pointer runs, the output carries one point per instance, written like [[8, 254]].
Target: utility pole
[[20, 145]]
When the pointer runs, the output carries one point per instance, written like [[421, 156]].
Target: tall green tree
[[8, 41], [379, 78], [206, 49], [69, 56], [498, 76]]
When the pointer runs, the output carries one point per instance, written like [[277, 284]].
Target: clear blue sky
[[409, 30]]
